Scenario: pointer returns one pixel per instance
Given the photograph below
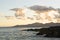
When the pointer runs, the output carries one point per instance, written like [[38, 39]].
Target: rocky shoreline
[[52, 31]]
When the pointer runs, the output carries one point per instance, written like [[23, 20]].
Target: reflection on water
[[17, 34]]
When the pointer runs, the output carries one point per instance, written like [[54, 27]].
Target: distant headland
[[38, 25]]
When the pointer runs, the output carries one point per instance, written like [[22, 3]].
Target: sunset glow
[[29, 16]]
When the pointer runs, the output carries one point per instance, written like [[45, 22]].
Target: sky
[[6, 5]]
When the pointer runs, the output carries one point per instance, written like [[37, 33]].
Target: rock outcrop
[[53, 31]]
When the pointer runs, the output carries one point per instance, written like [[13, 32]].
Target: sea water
[[17, 34]]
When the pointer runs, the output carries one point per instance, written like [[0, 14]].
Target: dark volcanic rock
[[53, 31]]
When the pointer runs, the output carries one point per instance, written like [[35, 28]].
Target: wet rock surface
[[53, 31]]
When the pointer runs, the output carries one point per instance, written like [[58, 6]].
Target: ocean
[[18, 34]]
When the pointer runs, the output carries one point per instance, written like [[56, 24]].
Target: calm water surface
[[17, 34]]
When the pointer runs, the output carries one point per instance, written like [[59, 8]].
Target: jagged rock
[[53, 31]]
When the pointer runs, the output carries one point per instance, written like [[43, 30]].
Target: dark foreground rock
[[53, 31]]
